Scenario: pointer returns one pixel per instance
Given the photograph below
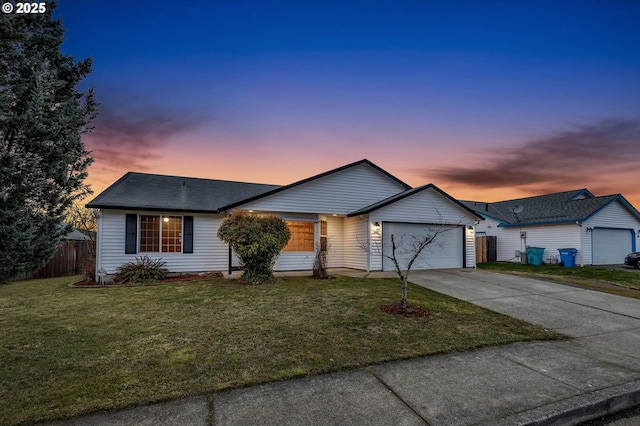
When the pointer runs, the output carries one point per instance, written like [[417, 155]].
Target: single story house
[[351, 212], [603, 229]]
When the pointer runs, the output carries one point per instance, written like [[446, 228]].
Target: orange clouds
[[599, 156]]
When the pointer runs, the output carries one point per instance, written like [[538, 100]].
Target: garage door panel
[[610, 246], [445, 252]]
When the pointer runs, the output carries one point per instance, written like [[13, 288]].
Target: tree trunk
[[403, 302]]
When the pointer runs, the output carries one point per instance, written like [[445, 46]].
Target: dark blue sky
[[490, 98]]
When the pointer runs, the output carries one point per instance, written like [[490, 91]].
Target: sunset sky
[[488, 100]]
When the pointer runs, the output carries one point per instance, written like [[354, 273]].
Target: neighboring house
[[350, 211], [603, 230]]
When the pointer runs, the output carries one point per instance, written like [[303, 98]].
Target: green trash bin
[[534, 255]]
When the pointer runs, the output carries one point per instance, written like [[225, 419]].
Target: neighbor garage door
[[610, 246], [445, 252]]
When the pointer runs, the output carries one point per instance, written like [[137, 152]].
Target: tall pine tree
[[43, 162]]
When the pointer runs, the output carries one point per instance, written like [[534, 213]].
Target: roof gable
[[402, 195], [617, 198], [338, 191], [312, 179]]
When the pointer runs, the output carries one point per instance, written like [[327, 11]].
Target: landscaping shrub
[[143, 269], [257, 241]]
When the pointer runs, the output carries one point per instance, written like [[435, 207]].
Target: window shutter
[[187, 237], [131, 234]]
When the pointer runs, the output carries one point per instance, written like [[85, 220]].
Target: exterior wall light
[[589, 229], [376, 227]]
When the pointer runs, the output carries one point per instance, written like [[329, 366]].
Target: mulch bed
[[175, 279], [187, 278], [408, 312]]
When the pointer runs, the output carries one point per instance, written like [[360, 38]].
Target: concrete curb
[[578, 409]]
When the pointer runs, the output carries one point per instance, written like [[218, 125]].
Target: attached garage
[[446, 251], [611, 245]]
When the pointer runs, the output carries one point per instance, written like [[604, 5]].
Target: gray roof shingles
[[142, 191]]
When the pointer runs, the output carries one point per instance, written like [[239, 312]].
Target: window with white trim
[[324, 239], [161, 234]]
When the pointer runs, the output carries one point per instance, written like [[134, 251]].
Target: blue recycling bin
[[568, 256], [534, 255]]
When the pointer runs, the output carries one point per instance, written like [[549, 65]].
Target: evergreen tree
[[43, 162]]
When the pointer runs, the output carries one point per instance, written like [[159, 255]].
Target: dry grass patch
[[68, 351]]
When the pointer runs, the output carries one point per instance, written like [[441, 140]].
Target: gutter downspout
[[230, 254], [368, 245], [581, 245], [368, 251], [99, 247]]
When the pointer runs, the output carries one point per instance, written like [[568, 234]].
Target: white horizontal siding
[[470, 247], [335, 230], [508, 241], [488, 227], [209, 253], [615, 215], [427, 206], [295, 261], [552, 238], [355, 234], [376, 258], [338, 193]]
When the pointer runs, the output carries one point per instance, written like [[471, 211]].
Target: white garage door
[[610, 246], [445, 252]]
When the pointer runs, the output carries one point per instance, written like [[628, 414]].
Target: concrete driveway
[[610, 320], [600, 322]]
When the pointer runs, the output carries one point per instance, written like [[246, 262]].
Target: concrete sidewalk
[[595, 373]]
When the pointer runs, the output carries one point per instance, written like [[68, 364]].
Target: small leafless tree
[[412, 247], [320, 265]]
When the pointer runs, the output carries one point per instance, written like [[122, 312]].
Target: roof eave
[[488, 216], [549, 222], [150, 209]]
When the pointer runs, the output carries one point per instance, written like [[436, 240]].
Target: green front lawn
[[71, 351], [594, 277]]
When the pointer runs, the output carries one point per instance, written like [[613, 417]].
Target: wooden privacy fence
[[486, 249], [67, 260]]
